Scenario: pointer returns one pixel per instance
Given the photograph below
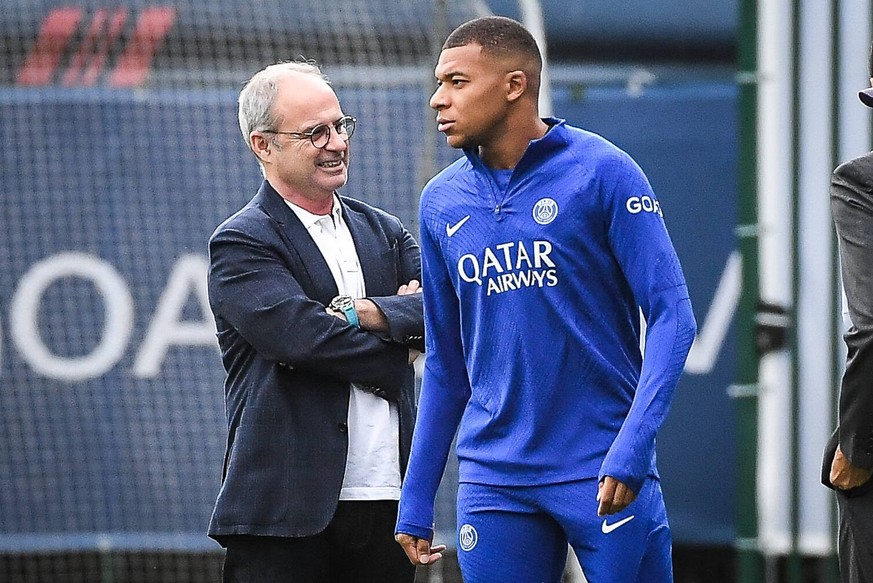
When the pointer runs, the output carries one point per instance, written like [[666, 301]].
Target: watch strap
[[346, 305], [351, 314]]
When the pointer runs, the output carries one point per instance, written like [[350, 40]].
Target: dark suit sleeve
[[405, 314], [253, 289], [852, 207]]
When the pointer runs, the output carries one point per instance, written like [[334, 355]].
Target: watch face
[[346, 306], [340, 303]]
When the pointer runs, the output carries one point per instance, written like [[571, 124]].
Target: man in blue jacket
[[318, 322], [541, 246]]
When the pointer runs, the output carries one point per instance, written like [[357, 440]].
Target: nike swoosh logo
[[608, 528], [452, 229]]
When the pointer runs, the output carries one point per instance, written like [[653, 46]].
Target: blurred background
[[120, 153]]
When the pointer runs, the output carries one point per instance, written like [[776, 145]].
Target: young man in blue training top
[[540, 247]]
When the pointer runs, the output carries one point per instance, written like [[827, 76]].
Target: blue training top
[[532, 292]]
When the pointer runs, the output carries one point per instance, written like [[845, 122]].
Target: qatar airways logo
[[643, 204], [510, 266]]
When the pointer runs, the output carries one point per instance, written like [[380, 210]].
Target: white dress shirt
[[373, 463]]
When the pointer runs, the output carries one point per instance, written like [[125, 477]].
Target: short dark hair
[[500, 37], [497, 35]]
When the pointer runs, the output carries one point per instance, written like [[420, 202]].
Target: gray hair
[[259, 94]]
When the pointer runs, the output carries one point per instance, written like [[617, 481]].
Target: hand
[[844, 475], [613, 496], [370, 315], [413, 287], [419, 550]]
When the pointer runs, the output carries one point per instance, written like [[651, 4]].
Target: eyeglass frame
[[311, 134]]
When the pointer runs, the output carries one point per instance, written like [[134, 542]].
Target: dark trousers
[[357, 546], [856, 537]]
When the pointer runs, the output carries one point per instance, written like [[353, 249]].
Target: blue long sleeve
[[533, 289], [444, 394], [668, 340]]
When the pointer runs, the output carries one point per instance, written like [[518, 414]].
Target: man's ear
[[516, 82], [260, 145]]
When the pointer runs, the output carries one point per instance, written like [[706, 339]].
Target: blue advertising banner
[[111, 402], [684, 136]]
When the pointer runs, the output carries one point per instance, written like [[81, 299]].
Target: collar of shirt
[[537, 150], [332, 236], [310, 220]]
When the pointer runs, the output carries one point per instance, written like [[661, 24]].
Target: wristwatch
[[346, 305]]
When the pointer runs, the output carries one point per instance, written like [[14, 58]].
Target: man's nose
[[337, 141], [437, 100]]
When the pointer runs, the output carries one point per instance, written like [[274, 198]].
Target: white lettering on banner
[[117, 327], [512, 265], [167, 328], [712, 332]]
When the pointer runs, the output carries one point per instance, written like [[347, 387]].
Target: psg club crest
[[545, 211], [468, 537]]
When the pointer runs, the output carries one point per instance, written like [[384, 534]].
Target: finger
[[605, 487], [422, 548], [601, 503], [606, 495], [618, 497], [623, 497], [409, 288], [408, 543], [630, 496], [436, 553], [838, 467]]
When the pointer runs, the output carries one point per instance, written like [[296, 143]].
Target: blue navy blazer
[[290, 364]]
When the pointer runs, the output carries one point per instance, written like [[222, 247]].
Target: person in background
[[541, 245], [318, 319], [848, 458]]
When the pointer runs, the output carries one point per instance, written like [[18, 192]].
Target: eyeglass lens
[[344, 127]]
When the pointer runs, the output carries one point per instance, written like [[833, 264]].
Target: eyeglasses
[[320, 134]]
